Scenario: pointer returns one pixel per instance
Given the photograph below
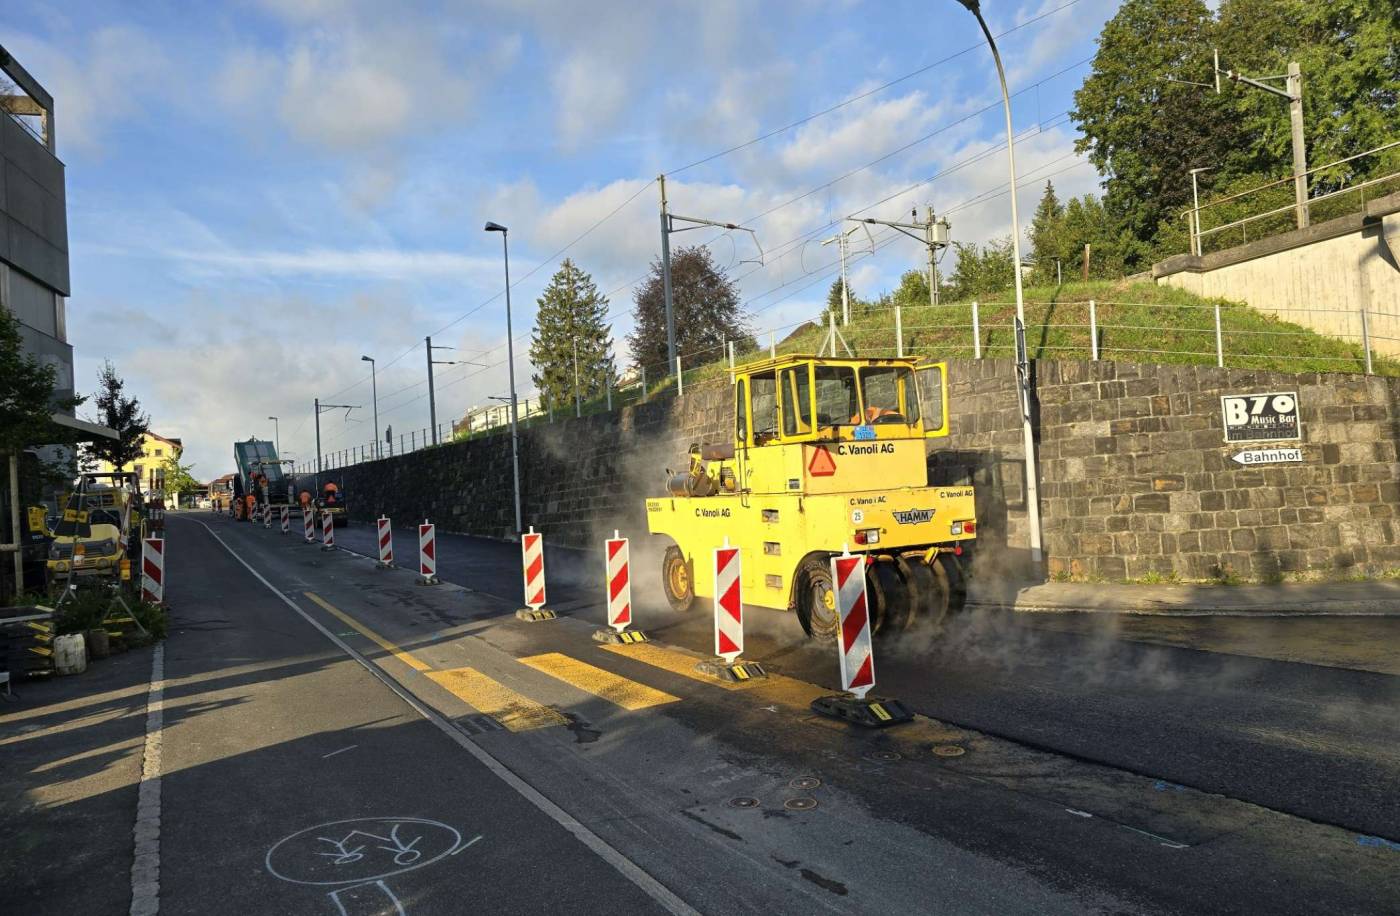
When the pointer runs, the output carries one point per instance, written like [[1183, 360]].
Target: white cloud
[[113, 74], [589, 94], [345, 263]]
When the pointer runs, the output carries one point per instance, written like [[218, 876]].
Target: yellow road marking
[[671, 660], [515, 711], [366, 632], [616, 689]]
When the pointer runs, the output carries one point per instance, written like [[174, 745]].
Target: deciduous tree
[[707, 313]]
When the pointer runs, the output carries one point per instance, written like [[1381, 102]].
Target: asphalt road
[[732, 800], [1293, 714]]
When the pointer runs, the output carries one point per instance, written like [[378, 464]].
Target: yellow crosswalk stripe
[[515, 711], [615, 689], [670, 660], [366, 632]]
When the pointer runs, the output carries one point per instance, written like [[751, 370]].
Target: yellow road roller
[[828, 455]]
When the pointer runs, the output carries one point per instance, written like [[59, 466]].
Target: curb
[[1345, 610]]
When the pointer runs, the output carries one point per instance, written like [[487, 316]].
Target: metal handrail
[[1293, 206], [1290, 179]]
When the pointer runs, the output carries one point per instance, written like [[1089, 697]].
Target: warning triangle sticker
[[822, 464]]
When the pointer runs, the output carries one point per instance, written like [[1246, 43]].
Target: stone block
[[1169, 482], [1152, 502]]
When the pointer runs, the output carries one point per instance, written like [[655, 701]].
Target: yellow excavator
[[828, 455]]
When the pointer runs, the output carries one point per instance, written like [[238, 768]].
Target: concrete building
[[34, 283], [34, 288]]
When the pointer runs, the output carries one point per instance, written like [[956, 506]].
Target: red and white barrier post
[[153, 570], [729, 620], [327, 531], [532, 570], [267, 517], [286, 519], [856, 652], [619, 580], [386, 543], [308, 524], [427, 553]]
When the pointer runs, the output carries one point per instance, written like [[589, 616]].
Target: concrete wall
[[1320, 277], [1135, 476]]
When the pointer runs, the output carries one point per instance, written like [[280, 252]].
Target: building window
[[158, 453]]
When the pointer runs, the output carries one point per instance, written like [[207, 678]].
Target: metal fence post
[[729, 345], [680, 377], [644, 383], [898, 331], [976, 332], [1366, 338], [1219, 340], [1093, 330]]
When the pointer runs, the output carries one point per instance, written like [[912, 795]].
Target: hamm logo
[[914, 516]]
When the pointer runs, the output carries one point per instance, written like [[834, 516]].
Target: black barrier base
[[872, 712], [533, 615], [328, 547], [733, 672], [426, 580], [378, 564], [614, 638]]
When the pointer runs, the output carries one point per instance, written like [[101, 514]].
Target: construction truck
[[828, 454], [261, 479], [101, 528]]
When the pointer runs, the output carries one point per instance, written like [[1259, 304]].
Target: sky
[[262, 192]]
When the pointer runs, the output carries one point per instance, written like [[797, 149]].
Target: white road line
[[625, 866], [145, 867], [341, 751]]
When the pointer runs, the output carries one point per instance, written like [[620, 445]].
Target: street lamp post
[[510, 367], [374, 391], [276, 436], [1022, 359]]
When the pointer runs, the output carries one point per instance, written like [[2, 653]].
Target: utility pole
[[931, 232], [668, 226], [1293, 92], [841, 239], [432, 398]]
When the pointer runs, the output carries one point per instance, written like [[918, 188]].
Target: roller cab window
[[837, 402], [796, 385], [763, 399], [889, 395]]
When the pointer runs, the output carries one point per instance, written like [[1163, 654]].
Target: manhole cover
[[949, 750], [743, 801], [805, 782], [800, 804], [884, 756]]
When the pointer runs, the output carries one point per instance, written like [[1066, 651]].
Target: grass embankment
[[1138, 322]]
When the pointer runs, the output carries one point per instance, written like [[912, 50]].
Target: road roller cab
[[827, 454]]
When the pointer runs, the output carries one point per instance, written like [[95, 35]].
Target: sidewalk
[[1310, 598]]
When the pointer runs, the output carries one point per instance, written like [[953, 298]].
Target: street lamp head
[[973, 6], [272, 418], [366, 359], [496, 227]]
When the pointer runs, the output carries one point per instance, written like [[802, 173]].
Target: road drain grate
[[800, 804]]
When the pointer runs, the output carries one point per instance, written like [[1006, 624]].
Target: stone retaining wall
[[1135, 477]]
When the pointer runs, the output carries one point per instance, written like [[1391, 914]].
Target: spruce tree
[[1047, 235], [571, 312], [121, 413], [707, 313]]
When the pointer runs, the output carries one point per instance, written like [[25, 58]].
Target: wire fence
[[1171, 332]]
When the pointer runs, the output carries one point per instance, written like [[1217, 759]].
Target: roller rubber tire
[[887, 593], [929, 585], [957, 582], [816, 600], [677, 581]]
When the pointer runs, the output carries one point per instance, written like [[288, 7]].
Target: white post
[[976, 332], [1219, 340], [729, 344], [1366, 338], [607, 385], [898, 331], [1093, 331], [680, 378], [772, 344]]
